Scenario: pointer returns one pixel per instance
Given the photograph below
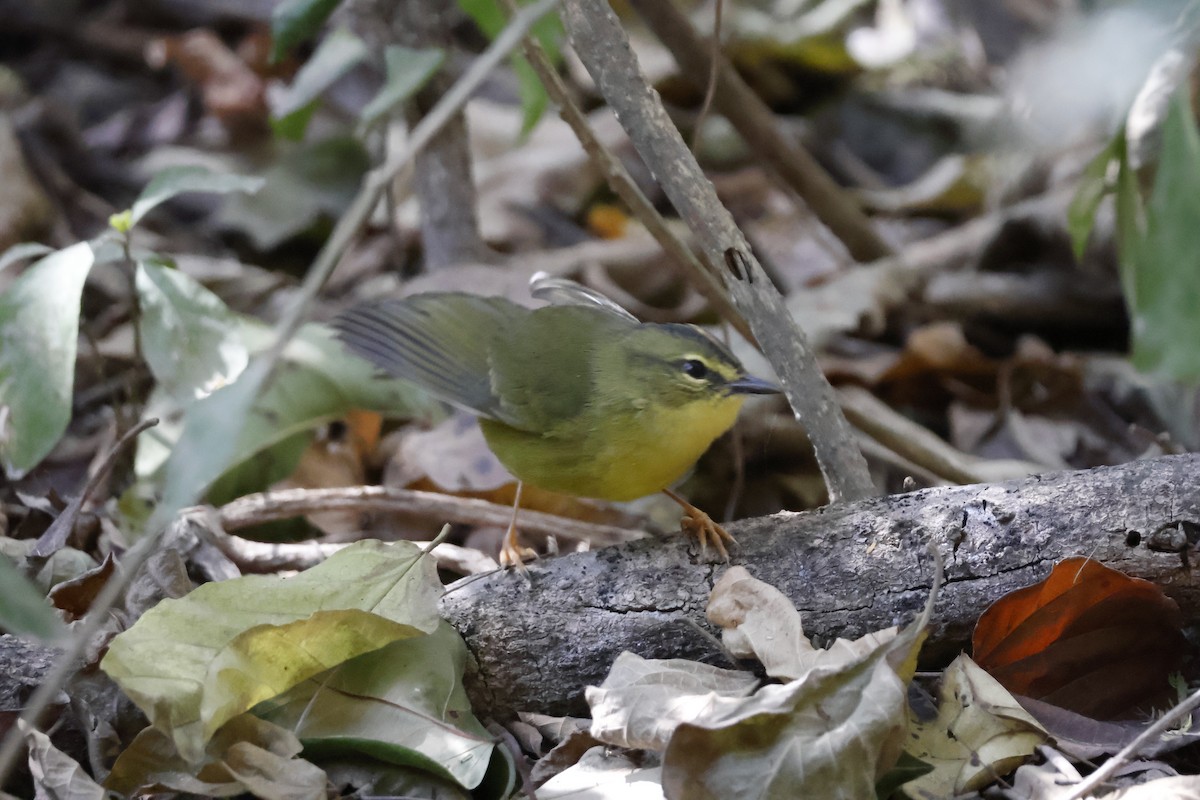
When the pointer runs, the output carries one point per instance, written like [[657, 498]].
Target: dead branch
[[850, 569], [602, 46], [759, 127]]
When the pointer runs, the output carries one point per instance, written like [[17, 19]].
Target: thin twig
[[622, 183], [714, 64], [254, 509], [56, 535], [270, 557], [1127, 754], [756, 123], [926, 449], [604, 49]]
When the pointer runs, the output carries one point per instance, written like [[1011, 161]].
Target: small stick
[[253, 509], [1110, 767]]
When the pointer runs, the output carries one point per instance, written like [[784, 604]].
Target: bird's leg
[[512, 554], [699, 524]]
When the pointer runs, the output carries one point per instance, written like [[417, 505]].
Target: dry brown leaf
[[75, 596], [1087, 638], [232, 92]]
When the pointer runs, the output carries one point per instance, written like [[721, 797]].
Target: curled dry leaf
[[832, 732], [57, 775], [600, 775], [1087, 638], [246, 755], [760, 622], [75, 595], [642, 701], [980, 732]]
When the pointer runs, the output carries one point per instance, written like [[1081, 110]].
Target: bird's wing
[[439, 341], [543, 369]]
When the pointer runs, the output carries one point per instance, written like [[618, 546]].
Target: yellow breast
[[618, 456]]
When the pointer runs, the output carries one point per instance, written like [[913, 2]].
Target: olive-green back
[[528, 369], [544, 368]]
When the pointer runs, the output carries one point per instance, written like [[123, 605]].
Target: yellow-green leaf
[[194, 663], [404, 704]]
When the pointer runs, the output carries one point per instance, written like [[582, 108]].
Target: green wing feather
[[439, 341], [545, 371], [530, 369]]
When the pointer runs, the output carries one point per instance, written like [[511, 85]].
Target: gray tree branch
[[850, 569], [602, 46]]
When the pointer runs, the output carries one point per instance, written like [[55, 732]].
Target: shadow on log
[[849, 569]]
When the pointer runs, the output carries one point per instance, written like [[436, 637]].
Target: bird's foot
[[513, 554], [699, 524]]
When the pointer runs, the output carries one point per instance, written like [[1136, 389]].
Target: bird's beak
[[748, 384]]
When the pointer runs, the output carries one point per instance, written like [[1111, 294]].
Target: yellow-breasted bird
[[581, 399]]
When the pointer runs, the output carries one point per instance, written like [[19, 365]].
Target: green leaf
[[403, 704], [1094, 186], [407, 71], [39, 328], [487, 14], [305, 182], [208, 443], [175, 181], [293, 126], [194, 663], [122, 221], [534, 99], [316, 382], [340, 52], [293, 21], [190, 339], [20, 252], [1163, 284], [23, 607]]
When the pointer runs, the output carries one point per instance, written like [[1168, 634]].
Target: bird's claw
[[699, 524], [513, 554]]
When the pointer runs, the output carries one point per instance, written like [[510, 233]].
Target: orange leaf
[[607, 221], [1088, 638]]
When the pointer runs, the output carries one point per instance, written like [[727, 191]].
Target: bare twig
[[623, 184], [56, 535], [714, 65], [1127, 754], [926, 449], [254, 509], [755, 122], [270, 557], [602, 46]]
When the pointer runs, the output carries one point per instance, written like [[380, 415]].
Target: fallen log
[[850, 569]]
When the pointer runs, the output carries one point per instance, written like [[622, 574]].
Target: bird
[[578, 397]]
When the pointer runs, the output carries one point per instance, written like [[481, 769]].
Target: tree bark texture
[[849, 569]]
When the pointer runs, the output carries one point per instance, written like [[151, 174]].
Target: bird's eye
[[694, 369]]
